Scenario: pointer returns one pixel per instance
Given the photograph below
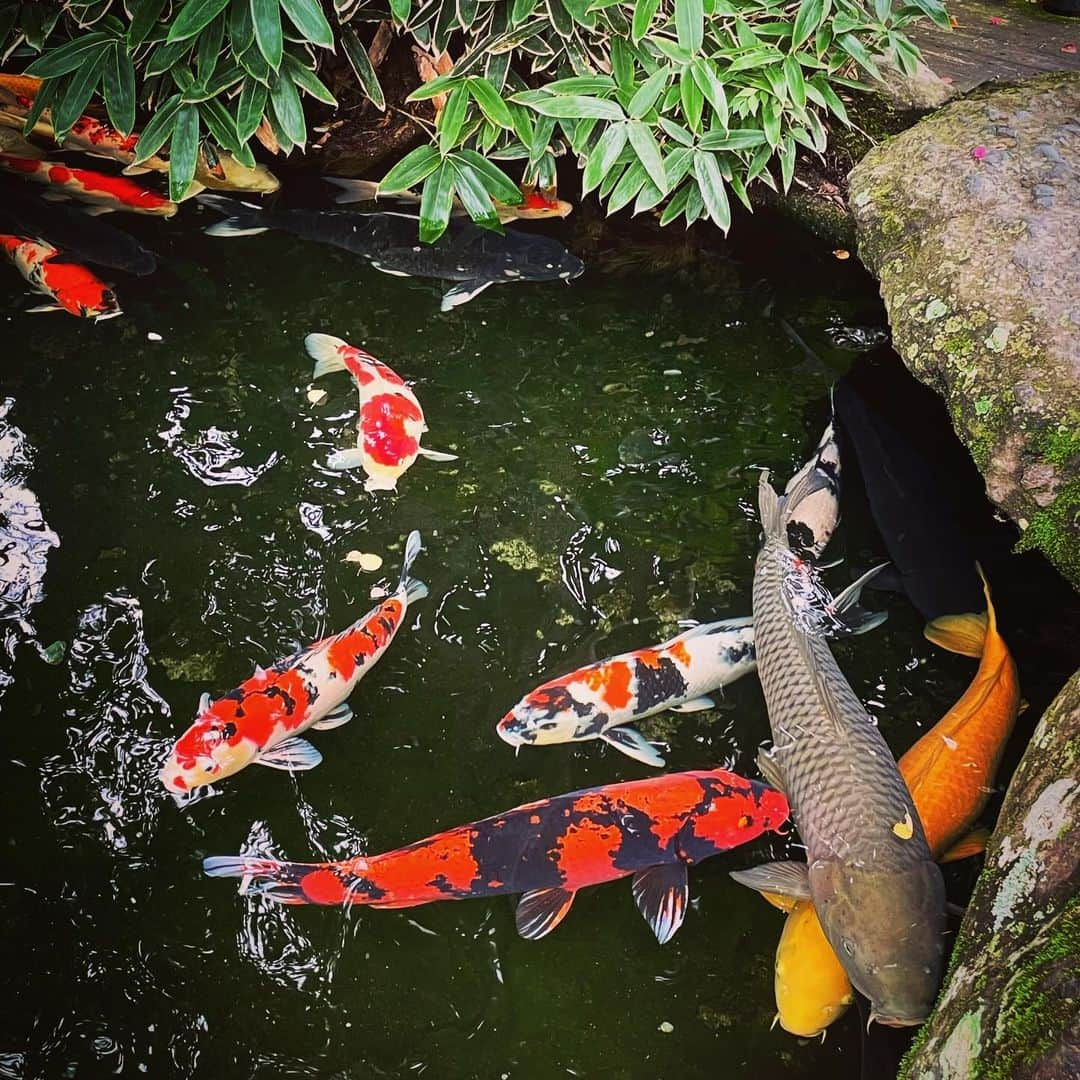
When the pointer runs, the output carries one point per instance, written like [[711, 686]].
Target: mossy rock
[[970, 220], [1010, 1007]]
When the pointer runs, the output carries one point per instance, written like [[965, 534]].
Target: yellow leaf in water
[[842, 253], [366, 560], [905, 829], [317, 396]]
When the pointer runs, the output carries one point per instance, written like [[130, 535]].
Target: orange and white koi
[[85, 185], [391, 421], [261, 721], [534, 204], [72, 287]]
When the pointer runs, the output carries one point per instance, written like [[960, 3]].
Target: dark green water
[[609, 434]]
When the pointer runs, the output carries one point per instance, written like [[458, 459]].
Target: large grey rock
[[1010, 1008], [971, 222]]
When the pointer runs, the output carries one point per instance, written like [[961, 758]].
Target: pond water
[[608, 436]]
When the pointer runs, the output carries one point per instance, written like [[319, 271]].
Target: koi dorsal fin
[[661, 894], [540, 911]]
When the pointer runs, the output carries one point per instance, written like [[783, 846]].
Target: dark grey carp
[[869, 871]]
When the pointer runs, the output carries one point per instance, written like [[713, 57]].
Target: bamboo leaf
[[285, 101], [307, 16], [400, 10], [158, 129], [571, 107], [436, 203], [497, 183], [307, 80], [693, 100], [796, 86], [807, 21], [710, 85], [415, 166], [736, 139], [711, 185], [70, 56], [443, 84], [193, 17], [361, 65], [690, 24], [859, 53], [250, 108], [603, 156], [144, 13], [241, 27], [630, 183], [79, 90], [120, 89], [648, 152], [266, 15], [474, 196], [183, 151], [491, 104], [220, 123], [452, 118], [645, 97], [644, 10]]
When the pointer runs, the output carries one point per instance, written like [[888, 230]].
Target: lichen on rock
[[970, 221]]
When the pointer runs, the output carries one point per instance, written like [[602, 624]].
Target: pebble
[[152, 336], [316, 396], [667, 1027], [1049, 151], [366, 560]]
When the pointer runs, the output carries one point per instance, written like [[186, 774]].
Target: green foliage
[[207, 69], [672, 104]]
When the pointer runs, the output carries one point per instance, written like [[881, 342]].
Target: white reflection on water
[[104, 785]]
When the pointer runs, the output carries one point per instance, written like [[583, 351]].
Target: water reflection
[[103, 786], [25, 541]]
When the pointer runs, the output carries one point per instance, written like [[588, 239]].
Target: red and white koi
[[391, 421], [72, 287], [85, 185], [261, 721], [601, 700]]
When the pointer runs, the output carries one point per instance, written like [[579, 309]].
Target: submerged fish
[[869, 870], [261, 720], [534, 206], [216, 169], [80, 237], [73, 288], [813, 522], [547, 850], [101, 190], [601, 700], [391, 420], [466, 253], [949, 772]]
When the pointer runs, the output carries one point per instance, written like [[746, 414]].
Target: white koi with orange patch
[[599, 701]]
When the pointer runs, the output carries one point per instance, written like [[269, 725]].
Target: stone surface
[[1010, 1008], [970, 221]]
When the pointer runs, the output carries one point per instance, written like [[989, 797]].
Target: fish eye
[[549, 725]]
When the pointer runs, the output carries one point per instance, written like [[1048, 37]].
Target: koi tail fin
[[963, 634], [414, 589], [354, 190], [284, 882], [244, 218], [324, 349]]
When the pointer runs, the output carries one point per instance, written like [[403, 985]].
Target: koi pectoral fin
[[769, 767], [292, 755], [972, 844], [661, 894], [340, 460], [436, 455], [463, 293], [540, 911], [699, 704], [633, 744], [334, 718], [781, 878]]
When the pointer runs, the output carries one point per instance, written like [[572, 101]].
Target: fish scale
[[869, 872], [845, 789]]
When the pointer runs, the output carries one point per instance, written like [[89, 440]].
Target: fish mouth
[[512, 730], [894, 1021]]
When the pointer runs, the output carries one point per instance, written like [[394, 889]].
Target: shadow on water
[[609, 436]]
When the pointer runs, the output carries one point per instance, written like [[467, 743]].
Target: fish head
[[542, 259], [809, 982], [813, 520], [888, 930], [210, 750], [547, 715], [737, 816]]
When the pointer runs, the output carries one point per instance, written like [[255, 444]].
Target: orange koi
[[85, 185], [72, 287]]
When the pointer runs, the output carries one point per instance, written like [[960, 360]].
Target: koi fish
[[72, 287], [81, 238], [535, 205], [216, 169], [949, 773], [869, 871], [814, 520], [475, 257], [261, 721], [101, 190], [601, 700], [391, 420], [546, 850]]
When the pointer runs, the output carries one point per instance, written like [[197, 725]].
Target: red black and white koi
[[72, 287], [103, 191], [391, 420], [547, 850], [261, 721]]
